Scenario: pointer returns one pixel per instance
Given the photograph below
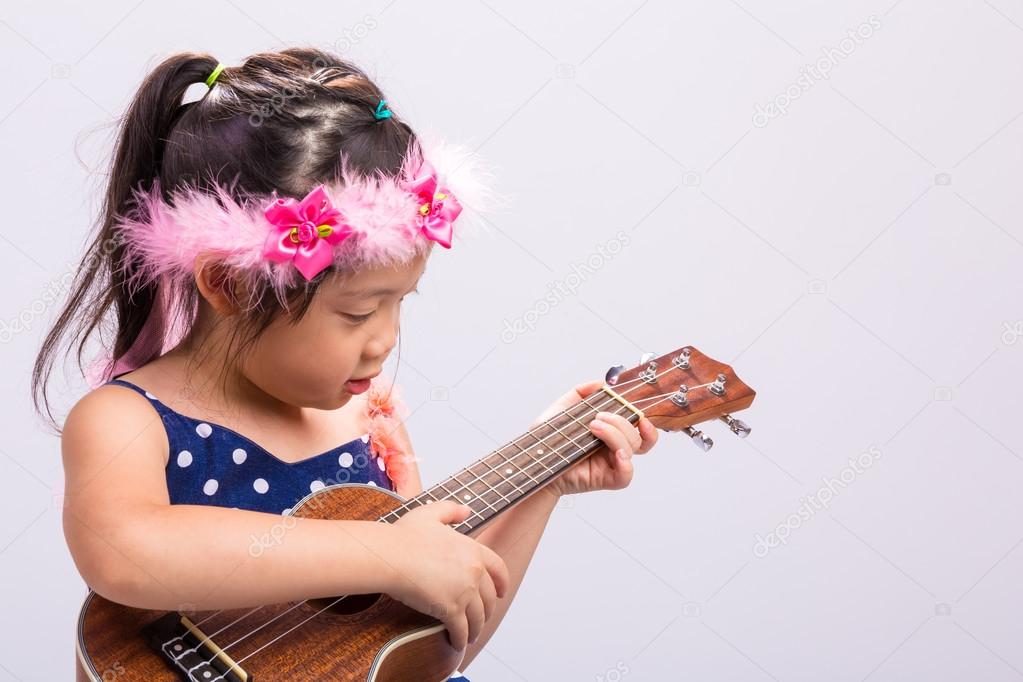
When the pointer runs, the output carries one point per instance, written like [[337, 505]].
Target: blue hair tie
[[382, 112]]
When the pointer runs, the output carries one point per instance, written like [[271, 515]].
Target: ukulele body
[[371, 638]]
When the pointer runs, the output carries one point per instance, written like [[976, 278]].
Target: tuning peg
[[682, 359], [702, 440], [718, 386], [737, 426], [611, 377]]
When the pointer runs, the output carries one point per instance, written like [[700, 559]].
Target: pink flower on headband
[[305, 232], [438, 207]]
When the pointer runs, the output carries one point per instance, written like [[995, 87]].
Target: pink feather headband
[[306, 232], [357, 221], [354, 222]]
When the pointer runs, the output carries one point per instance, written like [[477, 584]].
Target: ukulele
[[372, 637]]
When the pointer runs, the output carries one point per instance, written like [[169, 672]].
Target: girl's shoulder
[[109, 421], [108, 401]]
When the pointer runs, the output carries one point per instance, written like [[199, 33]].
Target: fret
[[492, 495], [499, 474], [468, 498], [500, 453], [532, 461], [460, 496], [451, 495], [584, 425], [568, 437], [423, 498], [503, 478], [545, 448]]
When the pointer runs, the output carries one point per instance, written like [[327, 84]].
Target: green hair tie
[[213, 76]]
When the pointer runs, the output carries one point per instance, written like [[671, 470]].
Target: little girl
[[255, 248]]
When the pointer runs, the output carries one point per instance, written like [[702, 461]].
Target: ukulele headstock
[[683, 388]]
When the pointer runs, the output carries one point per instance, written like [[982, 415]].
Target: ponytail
[[99, 283]]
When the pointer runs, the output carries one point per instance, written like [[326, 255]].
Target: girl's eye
[[358, 319]]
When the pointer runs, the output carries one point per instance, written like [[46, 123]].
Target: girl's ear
[[217, 284]]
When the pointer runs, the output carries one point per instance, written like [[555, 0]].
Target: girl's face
[[347, 333]]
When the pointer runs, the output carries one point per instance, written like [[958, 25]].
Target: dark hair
[[280, 121]]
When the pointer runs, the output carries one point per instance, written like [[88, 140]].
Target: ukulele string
[[660, 398], [461, 486], [554, 450], [339, 599], [609, 401]]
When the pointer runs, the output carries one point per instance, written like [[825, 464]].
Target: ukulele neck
[[515, 471]]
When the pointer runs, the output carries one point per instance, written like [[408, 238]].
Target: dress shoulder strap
[[160, 407]]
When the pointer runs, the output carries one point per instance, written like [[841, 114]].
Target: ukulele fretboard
[[514, 471]]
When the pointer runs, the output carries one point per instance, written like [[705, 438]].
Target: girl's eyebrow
[[367, 293], [370, 293]]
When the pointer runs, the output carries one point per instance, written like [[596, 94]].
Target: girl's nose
[[382, 343]]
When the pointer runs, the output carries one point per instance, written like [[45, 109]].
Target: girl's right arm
[[135, 548]]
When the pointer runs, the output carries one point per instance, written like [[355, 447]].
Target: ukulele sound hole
[[346, 606]]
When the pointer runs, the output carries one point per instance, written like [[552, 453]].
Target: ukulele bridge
[[190, 653]]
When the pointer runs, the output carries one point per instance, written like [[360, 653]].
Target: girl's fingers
[[631, 433], [648, 432], [613, 438], [621, 470], [624, 470]]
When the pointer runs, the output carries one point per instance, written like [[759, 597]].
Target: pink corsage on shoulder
[[385, 411]]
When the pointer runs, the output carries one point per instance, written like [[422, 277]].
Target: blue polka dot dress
[[214, 465]]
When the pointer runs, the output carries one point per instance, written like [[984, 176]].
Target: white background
[[856, 260]]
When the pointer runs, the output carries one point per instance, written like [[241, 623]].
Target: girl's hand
[[610, 467], [443, 573]]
